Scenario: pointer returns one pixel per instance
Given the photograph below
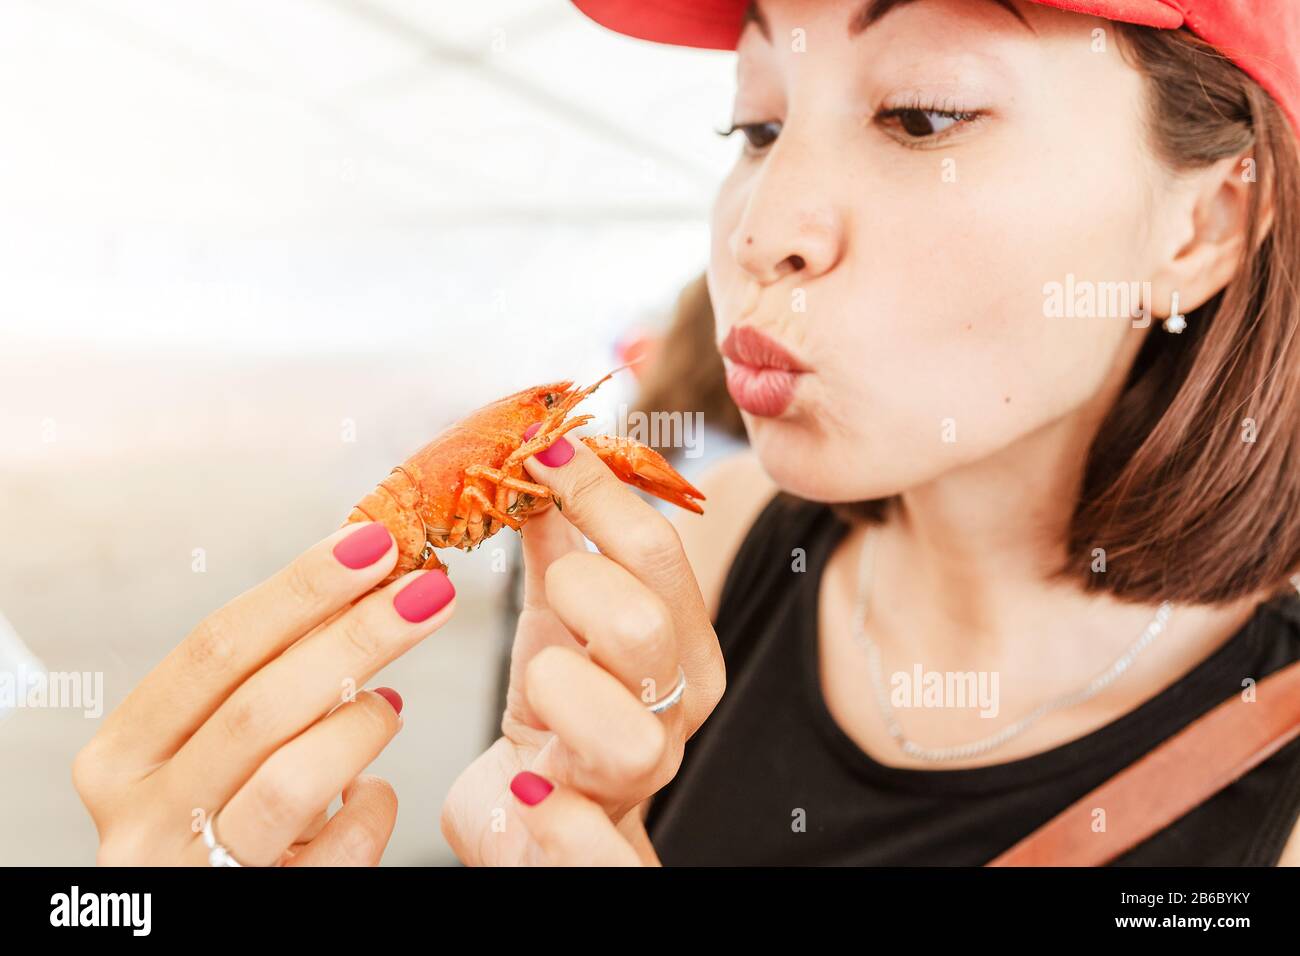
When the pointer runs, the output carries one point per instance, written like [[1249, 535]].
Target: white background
[[227, 228]]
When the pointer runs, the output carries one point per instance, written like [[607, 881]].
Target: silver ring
[[218, 855], [674, 696]]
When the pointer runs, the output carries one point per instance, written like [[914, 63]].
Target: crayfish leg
[[480, 504], [543, 440], [434, 564], [506, 483]]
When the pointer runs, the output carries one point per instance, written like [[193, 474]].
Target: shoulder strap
[[1173, 779]]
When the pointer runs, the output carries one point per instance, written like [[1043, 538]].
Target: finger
[[314, 828], [300, 779], [626, 627], [358, 834], [300, 686], [631, 532], [569, 829], [189, 684], [614, 749], [619, 522]]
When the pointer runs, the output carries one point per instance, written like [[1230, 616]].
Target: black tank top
[[771, 754]]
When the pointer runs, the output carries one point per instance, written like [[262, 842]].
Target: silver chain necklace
[[984, 745]]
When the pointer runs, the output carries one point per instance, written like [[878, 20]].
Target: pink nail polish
[[363, 547], [558, 454], [424, 597], [530, 788], [392, 696]]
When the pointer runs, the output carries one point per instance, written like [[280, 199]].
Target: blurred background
[[251, 256]]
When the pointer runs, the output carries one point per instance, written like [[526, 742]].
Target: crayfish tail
[[395, 504]]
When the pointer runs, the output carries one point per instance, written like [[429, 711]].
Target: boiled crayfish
[[469, 481]]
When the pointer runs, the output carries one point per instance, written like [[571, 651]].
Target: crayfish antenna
[[642, 467], [574, 397]]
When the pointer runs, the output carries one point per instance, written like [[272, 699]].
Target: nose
[[790, 222]]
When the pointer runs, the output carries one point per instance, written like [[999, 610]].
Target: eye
[[921, 125], [758, 136]]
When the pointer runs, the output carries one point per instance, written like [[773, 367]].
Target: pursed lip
[[762, 375], [748, 346]]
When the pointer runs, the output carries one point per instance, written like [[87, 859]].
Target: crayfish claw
[[642, 467]]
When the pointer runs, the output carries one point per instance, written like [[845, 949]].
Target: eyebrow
[[868, 15]]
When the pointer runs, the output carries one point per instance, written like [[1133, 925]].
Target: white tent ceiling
[[254, 252], [328, 114], [348, 176]]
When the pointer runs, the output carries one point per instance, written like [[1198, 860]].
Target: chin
[[817, 471]]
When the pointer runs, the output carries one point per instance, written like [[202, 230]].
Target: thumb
[[569, 829]]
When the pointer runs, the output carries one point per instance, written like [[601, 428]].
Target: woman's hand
[[600, 637], [253, 721]]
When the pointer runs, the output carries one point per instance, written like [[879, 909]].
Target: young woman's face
[[905, 194]]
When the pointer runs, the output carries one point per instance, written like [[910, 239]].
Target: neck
[[976, 540], [959, 571]]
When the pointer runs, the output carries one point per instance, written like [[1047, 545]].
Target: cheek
[[950, 355], [1064, 194]]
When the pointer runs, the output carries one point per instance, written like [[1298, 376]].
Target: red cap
[[1261, 36]]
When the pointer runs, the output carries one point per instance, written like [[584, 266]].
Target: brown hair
[[1184, 507], [686, 374]]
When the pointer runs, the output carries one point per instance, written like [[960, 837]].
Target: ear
[[1210, 239]]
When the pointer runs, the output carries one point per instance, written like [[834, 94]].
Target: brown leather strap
[[1174, 778]]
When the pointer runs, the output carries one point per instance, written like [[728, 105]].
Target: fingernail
[[392, 696], [424, 597], [555, 456], [530, 788], [364, 546]]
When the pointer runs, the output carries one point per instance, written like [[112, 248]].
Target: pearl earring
[[1176, 322]]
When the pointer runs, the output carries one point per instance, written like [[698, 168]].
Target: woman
[[1091, 508]]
